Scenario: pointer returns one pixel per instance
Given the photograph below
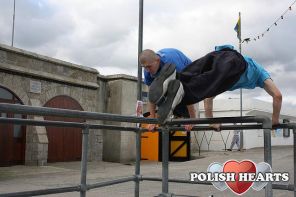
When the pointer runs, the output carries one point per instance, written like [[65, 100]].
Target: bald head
[[149, 60], [147, 56]]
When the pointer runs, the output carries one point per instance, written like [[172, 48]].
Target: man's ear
[[158, 59]]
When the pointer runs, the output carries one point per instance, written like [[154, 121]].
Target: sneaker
[[159, 85], [172, 99], [229, 149]]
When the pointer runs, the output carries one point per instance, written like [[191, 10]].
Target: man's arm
[[208, 105], [192, 114], [152, 109], [273, 91], [191, 111]]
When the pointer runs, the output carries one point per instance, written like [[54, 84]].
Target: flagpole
[[241, 90], [13, 19]]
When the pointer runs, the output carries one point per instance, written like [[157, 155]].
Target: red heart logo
[[245, 166]]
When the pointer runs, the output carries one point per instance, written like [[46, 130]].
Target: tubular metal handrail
[[47, 111], [258, 122]]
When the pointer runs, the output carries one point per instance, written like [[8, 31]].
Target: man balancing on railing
[[174, 81]]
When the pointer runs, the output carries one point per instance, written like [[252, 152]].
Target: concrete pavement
[[24, 178]]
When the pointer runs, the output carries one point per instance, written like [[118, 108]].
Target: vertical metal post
[[138, 160], [241, 135], [83, 188], [140, 48], [165, 161], [294, 136], [268, 158], [139, 98], [240, 31]]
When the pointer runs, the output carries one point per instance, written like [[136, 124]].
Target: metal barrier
[[254, 122], [208, 141]]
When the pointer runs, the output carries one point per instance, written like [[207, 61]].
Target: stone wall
[[121, 99], [35, 79]]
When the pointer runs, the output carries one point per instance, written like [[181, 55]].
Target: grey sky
[[104, 34]]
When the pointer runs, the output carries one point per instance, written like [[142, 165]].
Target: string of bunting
[[275, 23]]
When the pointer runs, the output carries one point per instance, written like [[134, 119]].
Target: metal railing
[[254, 122], [208, 141]]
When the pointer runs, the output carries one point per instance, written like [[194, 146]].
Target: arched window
[[12, 136], [7, 96]]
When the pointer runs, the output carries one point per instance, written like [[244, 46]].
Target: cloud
[[104, 34]]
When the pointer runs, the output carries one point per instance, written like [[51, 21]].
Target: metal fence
[[208, 141], [249, 123]]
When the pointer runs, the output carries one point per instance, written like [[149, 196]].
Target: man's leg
[[273, 91], [238, 142], [232, 143], [211, 75]]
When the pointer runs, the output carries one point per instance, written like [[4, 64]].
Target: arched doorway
[[12, 137], [64, 144]]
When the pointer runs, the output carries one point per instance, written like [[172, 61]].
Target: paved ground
[[22, 178]]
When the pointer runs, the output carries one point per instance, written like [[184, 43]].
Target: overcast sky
[[103, 34]]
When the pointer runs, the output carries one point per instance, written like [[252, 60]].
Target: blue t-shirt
[[253, 77], [168, 55]]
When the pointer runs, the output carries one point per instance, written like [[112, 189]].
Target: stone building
[[31, 79], [28, 78]]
